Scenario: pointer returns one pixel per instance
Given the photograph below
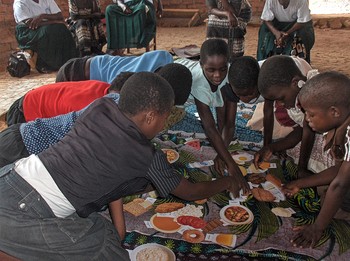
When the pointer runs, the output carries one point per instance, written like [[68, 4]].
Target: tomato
[[194, 222]]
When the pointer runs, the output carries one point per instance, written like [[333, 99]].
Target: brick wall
[[7, 24]]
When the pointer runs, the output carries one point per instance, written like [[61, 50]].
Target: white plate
[[165, 229], [176, 155], [242, 158], [133, 255], [269, 186], [226, 220]]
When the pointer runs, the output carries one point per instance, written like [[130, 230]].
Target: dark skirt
[[135, 30], [12, 147], [53, 43], [267, 47]]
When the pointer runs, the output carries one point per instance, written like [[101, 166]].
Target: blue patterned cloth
[[250, 139], [39, 134]]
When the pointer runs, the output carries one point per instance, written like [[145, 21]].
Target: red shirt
[[62, 97]]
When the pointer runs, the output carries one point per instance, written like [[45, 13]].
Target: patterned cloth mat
[[268, 236]]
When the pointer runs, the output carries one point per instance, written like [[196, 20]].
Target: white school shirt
[[295, 113], [297, 10], [24, 9], [32, 170], [200, 86]]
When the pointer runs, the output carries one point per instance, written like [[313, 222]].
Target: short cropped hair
[[327, 89], [180, 79], [212, 47], [278, 70], [119, 81], [146, 91], [244, 72]]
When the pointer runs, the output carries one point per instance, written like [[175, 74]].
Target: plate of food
[[171, 155], [274, 190], [236, 215], [242, 158], [151, 252], [164, 224]]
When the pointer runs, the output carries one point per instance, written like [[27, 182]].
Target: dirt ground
[[330, 52]]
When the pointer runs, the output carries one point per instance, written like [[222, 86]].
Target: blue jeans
[[30, 231]]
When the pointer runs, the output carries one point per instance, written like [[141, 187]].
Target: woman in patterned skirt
[[86, 26], [228, 20]]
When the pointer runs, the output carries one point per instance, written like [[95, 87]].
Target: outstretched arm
[[307, 142], [309, 236], [194, 191], [117, 215], [218, 143]]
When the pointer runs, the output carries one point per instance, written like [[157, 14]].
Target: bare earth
[[330, 52]]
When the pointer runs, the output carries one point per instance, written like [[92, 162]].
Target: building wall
[[7, 24]]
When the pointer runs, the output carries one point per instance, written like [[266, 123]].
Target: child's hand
[[219, 165], [307, 236], [290, 189], [264, 154], [238, 183]]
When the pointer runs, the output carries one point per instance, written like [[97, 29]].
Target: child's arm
[[269, 148], [307, 142], [226, 118], [117, 215], [309, 236], [194, 191], [268, 122], [219, 146], [320, 179], [290, 141]]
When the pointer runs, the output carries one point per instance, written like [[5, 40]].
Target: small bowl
[[228, 221], [172, 155], [170, 253]]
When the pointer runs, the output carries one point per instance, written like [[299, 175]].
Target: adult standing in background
[[41, 30], [228, 20], [86, 26], [285, 22], [131, 24]]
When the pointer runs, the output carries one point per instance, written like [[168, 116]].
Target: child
[[243, 78], [180, 78], [60, 98], [209, 76], [21, 140], [49, 201], [106, 67], [54, 99], [280, 80], [326, 101]]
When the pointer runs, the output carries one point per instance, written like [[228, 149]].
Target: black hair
[[244, 72], [327, 89], [278, 70], [146, 91], [212, 47], [180, 79], [119, 81]]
